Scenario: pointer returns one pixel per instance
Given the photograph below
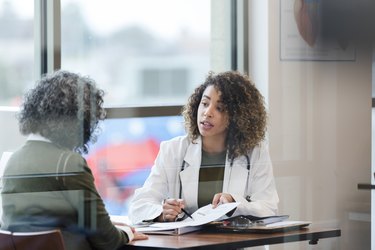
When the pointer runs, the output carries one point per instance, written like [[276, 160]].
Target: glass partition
[[122, 157]]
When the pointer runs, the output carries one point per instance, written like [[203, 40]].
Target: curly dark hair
[[244, 105], [65, 108]]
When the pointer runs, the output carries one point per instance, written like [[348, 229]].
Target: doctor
[[224, 157]]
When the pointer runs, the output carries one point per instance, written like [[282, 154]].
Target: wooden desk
[[220, 241]]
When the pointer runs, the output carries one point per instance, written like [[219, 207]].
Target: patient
[[47, 183]]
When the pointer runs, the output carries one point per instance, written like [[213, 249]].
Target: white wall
[[320, 135]]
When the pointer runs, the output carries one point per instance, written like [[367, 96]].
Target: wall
[[319, 133]]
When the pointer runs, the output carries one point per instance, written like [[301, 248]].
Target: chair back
[[6, 240], [46, 240]]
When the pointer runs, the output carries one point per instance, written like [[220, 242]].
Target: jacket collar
[[193, 154], [37, 137]]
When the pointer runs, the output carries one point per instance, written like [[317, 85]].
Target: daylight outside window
[[141, 53], [16, 50]]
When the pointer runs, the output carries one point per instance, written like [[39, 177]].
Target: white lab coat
[[258, 185]]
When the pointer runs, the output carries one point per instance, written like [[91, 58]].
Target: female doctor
[[222, 159]]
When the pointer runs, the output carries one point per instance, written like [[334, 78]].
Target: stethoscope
[[230, 175]]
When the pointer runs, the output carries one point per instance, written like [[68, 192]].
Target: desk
[[220, 241], [365, 186]]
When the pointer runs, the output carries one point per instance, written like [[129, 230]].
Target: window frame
[[47, 28]]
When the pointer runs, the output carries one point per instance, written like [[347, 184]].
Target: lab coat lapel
[[190, 175], [235, 177]]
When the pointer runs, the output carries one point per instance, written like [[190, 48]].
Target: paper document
[[120, 219], [202, 216]]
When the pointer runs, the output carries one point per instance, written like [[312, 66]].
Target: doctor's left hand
[[221, 198]]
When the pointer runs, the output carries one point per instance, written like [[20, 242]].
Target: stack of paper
[[202, 216]]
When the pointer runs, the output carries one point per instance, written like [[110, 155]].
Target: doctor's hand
[[171, 209], [221, 198]]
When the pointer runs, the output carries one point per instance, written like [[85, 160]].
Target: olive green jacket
[[46, 187]]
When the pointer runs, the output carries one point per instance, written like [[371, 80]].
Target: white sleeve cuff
[[129, 232]]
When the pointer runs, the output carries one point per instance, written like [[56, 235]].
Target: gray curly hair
[[65, 108]]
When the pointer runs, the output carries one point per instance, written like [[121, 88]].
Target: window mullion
[[47, 39]]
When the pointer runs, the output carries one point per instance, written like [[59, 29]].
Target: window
[[141, 52], [164, 83], [16, 50]]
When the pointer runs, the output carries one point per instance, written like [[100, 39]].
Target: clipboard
[[262, 221], [277, 227], [243, 224]]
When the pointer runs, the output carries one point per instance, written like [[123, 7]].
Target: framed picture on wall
[[300, 37]]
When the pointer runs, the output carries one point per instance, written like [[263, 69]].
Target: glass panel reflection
[[122, 157]]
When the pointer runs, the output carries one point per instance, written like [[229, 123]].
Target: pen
[[183, 210]]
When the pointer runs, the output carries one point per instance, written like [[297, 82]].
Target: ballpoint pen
[[183, 210]]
